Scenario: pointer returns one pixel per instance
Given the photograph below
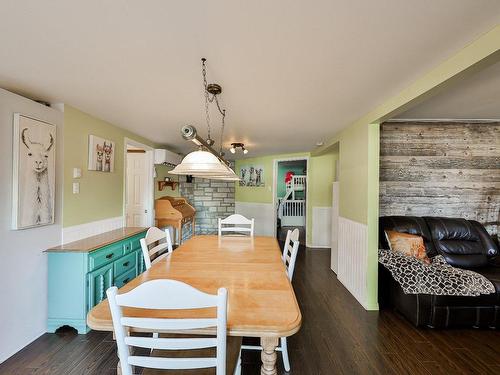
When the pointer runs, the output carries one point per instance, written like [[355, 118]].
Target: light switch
[[77, 172], [76, 187]]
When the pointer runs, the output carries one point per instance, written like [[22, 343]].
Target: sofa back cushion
[[458, 241], [488, 243], [406, 224]]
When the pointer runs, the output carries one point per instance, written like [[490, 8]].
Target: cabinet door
[[141, 267], [99, 281]]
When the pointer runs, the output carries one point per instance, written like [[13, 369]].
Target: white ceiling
[[474, 97], [293, 72]]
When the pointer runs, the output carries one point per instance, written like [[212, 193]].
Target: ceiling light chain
[[207, 98]]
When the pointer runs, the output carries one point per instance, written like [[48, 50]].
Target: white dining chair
[[161, 241], [169, 353], [290, 251], [236, 224]]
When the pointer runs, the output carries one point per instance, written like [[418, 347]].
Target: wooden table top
[[261, 300], [92, 243]]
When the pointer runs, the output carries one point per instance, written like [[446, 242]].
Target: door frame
[[149, 180], [275, 188]]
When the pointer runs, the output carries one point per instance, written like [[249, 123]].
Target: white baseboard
[[77, 232], [6, 356], [263, 213]]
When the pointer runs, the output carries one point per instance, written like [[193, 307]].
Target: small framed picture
[[101, 154]]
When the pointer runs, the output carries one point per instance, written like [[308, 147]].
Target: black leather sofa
[[464, 244]]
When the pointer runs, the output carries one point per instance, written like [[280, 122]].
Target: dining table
[[261, 300]]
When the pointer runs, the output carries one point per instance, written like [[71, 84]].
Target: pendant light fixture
[[206, 162]]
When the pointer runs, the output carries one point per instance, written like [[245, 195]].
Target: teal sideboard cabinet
[[81, 271]]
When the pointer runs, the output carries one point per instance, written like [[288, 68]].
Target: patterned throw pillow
[[408, 244]]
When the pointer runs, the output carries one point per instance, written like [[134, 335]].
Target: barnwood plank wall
[[441, 169]]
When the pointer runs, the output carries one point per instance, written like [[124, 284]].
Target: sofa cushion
[[458, 241], [407, 244], [406, 224]]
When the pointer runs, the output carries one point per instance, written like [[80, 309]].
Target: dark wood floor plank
[[337, 337]]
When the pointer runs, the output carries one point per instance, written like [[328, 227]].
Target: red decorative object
[[288, 176]]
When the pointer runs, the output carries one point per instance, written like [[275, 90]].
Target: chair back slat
[[236, 223], [164, 294], [172, 363], [160, 241], [171, 344], [168, 324], [145, 296]]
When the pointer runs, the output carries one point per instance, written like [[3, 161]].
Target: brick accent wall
[[212, 199]]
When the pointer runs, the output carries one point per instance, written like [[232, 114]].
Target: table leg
[[268, 355], [118, 369], [179, 233]]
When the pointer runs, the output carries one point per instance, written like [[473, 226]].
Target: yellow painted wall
[[161, 173], [101, 194]]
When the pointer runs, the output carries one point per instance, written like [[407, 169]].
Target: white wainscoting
[[321, 226], [77, 232], [353, 257], [263, 213]]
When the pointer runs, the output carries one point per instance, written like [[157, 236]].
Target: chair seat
[[233, 346]]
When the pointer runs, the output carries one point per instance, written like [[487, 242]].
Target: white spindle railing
[[293, 211], [294, 208], [297, 182]]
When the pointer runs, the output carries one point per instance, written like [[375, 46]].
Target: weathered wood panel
[[441, 169]]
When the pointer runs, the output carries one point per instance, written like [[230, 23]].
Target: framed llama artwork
[[34, 172], [252, 175], [101, 154]]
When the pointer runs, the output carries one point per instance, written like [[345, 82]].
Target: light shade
[[229, 175], [203, 164]]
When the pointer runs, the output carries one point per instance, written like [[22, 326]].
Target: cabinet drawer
[[104, 256], [125, 278], [127, 247], [125, 263]]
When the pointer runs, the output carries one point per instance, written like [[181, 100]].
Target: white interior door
[[137, 190], [334, 261]]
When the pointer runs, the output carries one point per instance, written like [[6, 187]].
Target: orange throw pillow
[[408, 244]]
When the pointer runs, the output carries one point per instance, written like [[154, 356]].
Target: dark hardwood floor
[[337, 337]]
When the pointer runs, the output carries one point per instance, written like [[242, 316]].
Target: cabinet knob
[[109, 256], [126, 264]]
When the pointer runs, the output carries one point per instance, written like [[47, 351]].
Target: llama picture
[[252, 176], [108, 153], [101, 154], [34, 172]]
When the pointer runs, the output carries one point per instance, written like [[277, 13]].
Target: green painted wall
[[101, 194], [321, 171], [261, 194], [161, 173]]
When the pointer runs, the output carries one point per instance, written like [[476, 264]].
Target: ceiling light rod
[[189, 134]]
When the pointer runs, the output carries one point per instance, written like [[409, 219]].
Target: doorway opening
[[290, 197], [139, 193]]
